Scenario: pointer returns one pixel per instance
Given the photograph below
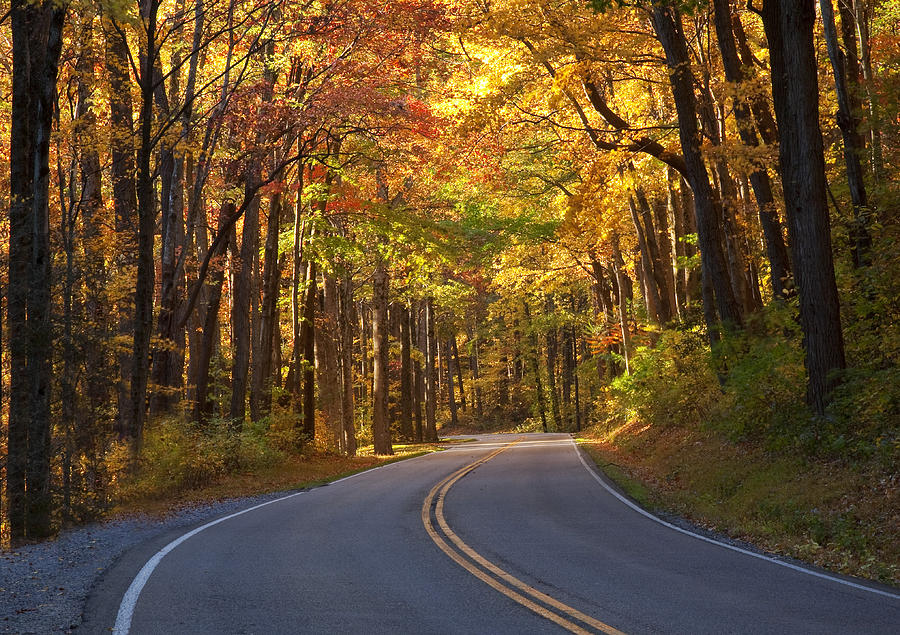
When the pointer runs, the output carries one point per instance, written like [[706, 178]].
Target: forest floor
[[838, 515]]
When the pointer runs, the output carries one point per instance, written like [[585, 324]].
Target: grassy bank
[[181, 469], [843, 517]]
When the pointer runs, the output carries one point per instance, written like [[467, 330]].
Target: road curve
[[508, 534]]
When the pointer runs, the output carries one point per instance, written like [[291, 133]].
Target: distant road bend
[[507, 534]]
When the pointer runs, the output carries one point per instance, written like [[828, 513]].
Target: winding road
[[506, 534]]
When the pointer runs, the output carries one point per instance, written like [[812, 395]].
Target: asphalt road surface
[[508, 534]]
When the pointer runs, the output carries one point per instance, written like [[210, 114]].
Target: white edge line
[[130, 599], [782, 563]]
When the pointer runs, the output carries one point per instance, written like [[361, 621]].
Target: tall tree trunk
[[327, 371], [417, 326], [308, 348], [430, 382], [622, 282], [789, 31], [776, 250], [854, 146], [24, 17], [459, 374], [241, 303], [143, 295], [37, 42], [536, 369], [203, 406], [476, 375], [124, 190], [552, 354], [381, 431], [667, 24], [346, 321], [406, 378], [263, 369], [294, 382], [650, 288], [451, 393]]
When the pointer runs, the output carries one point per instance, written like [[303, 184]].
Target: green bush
[[671, 383], [178, 456]]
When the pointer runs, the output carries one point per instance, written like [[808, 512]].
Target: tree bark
[[667, 24], [430, 387], [203, 406], [406, 378], [789, 31], [143, 295], [854, 146], [381, 431], [776, 250], [451, 393]]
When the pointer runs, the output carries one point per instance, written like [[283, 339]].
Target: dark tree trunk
[[124, 190], [37, 42], [536, 369], [345, 324], [381, 430], [776, 251], [419, 380], [406, 379], [649, 286], [24, 20], [430, 383], [847, 120], [203, 406], [789, 31], [552, 354], [667, 24], [143, 295], [622, 282], [476, 374], [459, 374], [308, 348], [264, 369], [240, 306], [327, 371], [451, 395]]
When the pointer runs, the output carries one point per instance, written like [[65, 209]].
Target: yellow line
[[440, 490]]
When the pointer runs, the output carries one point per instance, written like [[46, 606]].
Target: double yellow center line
[[550, 608]]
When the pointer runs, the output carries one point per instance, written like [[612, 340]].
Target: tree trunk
[[263, 370], [667, 24], [240, 308], [854, 146], [23, 17], [552, 354], [536, 369], [622, 282], [451, 395], [406, 378], [459, 374], [143, 295], [381, 431], [308, 348], [327, 371], [124, 191], [776, 251], [789, 30], [417, 325], [430, 387], [203, 405], [346, 321]]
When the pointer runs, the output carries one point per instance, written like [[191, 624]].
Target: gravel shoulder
[[44, 586]]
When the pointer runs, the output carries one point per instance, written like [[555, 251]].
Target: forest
[[240, 230]]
